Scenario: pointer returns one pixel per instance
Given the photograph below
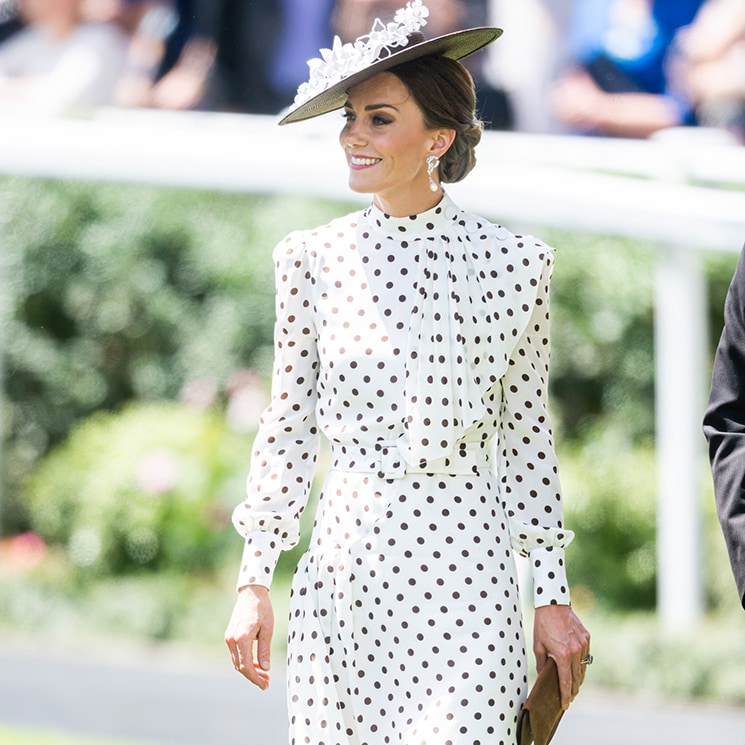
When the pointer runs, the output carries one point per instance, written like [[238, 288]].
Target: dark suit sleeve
[[724, 426]]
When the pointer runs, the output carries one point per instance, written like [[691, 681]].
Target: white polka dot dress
[[419, 347]]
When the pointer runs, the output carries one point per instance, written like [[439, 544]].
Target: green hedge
[[117, 293], [151, 488]]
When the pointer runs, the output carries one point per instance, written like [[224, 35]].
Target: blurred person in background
[[188, 63], [10, 20], [169, 63], [305, 28], [218, 57], [147, 23], [620, 82], [528, 71], [352, 18], [205, 55], [59, 61], [712, 66]]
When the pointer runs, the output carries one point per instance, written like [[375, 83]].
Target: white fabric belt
[[386, 460]]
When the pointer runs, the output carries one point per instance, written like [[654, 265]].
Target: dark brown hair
[[444, 91]]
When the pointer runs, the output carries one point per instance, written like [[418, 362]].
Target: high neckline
[[431, 222]]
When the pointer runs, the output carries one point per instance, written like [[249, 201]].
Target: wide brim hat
[[347, 65]]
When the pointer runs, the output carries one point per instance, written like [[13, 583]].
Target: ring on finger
[[587, 660]]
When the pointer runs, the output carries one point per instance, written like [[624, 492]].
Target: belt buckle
[[391, 464]]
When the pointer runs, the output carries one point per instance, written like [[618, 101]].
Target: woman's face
[[386, 145]]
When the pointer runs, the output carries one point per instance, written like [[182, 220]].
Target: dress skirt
[[405, 623]]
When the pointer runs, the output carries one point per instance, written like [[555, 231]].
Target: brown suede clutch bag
[[541, 712]]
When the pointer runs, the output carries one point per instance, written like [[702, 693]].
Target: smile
[[357, 160]]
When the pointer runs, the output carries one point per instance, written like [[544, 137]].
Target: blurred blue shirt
[[636, 44]]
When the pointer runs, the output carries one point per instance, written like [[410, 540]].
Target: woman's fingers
[[559, 634], [249, 635]]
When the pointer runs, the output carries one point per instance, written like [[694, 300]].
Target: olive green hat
[[387, 45]]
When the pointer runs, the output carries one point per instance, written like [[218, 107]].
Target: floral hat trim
[[342, 60], [343, 65]]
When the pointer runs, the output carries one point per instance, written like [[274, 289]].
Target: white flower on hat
[[343, 60], [331, 66], [413, 16]]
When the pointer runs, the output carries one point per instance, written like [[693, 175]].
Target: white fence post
[[679, 356]]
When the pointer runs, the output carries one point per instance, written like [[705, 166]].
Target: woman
[[413, 336]]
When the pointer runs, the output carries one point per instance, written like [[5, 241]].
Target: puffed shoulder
[[290, 248], [505, 252], [535, 256], [307, 249], [528, 247], [293, 262]]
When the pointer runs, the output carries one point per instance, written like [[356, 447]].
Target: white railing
[[638, 189]]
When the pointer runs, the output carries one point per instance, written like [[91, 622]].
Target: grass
[[24, 736]]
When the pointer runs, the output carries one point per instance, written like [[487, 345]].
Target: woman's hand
[[559, 634], [249, 634]]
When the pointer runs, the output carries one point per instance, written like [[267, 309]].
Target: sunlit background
[[143, 185]]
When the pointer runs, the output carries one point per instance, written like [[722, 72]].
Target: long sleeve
[[286, 446], [724, 426], [526, 459]]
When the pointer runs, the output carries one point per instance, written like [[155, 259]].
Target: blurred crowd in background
[[626, 68]]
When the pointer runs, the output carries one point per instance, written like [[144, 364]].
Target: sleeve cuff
[[550, 585], [260, 555]]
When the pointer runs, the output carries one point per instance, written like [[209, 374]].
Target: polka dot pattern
[[419, 347]]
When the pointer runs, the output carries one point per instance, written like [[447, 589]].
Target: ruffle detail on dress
[[476, 289]]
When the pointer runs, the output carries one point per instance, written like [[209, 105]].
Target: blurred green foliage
[[119, 297], [610, 490], [115, 293], [635, 654], [602, 363], [151, 487]]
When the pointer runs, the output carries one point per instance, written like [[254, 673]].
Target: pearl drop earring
[[432, 162]]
